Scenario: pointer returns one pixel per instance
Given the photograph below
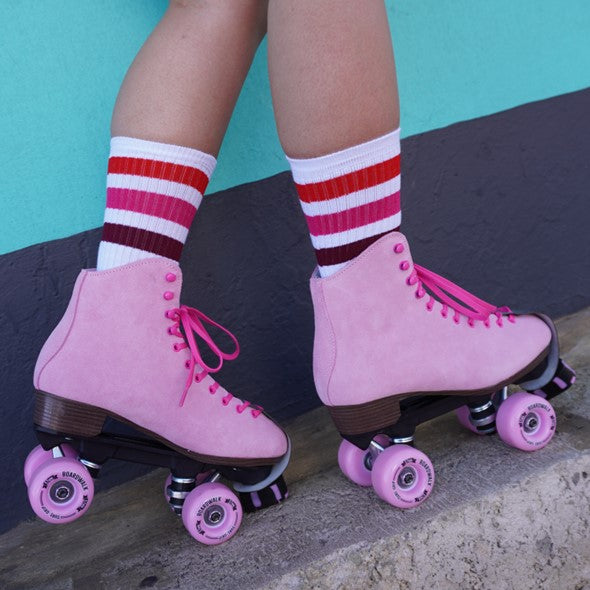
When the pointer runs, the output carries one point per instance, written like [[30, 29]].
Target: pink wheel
[[39, 455], [212, 513], [462, 414], [355, 463], [403, 476], [60, 490], [526, 421]]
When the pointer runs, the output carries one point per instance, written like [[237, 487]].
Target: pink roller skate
[[127, 349], [396, 345]]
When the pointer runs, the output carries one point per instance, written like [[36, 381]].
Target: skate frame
[[94, 452], [416, 410]]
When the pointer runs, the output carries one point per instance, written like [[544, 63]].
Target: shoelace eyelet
[[398, 248], [168, 295], [211, 390], [187, 364], [170, 277], [404, 265], [176, 347]]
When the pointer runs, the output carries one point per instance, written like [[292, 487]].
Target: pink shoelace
[[192, 321], [451, 295]]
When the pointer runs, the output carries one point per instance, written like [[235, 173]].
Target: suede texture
[[374, 338], [112, 349]]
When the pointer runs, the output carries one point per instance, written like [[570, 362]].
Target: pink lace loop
[[193, 322], [451, 295]]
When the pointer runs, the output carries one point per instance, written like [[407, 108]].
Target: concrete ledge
[[498, 518]]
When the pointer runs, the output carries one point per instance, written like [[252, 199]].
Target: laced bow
[[451, 295], [192, 321]]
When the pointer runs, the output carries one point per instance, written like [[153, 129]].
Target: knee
[[252, 13]]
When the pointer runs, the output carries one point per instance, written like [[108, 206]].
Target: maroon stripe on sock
[[349, 183], [346, 252], [142, 239], [155, 169]]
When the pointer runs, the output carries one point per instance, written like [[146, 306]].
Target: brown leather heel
[[67, 416], [366, 417]]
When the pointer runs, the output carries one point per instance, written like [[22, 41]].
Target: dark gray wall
[[498, 204]]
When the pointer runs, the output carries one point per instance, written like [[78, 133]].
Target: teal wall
[[61, 63]]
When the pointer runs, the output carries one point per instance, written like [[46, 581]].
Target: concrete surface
[[498, 518]]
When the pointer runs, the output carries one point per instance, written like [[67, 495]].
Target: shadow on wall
[[499, 205]]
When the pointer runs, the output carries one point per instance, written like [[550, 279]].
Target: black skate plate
[[144, 451], [420, 409], [415, 411]]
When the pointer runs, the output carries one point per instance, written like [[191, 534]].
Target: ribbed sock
[[350, 198], [153, 192]]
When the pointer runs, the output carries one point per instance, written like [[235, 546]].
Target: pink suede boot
[[127, 349], [396, 345]]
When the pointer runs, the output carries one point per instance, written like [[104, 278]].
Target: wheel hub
[[406, 478], [214, 515], [531, 422], [61, 491]]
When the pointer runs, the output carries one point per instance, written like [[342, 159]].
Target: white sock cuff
[[131, 147], [350, 159]]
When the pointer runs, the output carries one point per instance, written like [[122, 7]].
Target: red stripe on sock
[[322, 225], [346, 252], [349, 183], [155, 169], [163, 206], [142, 240]]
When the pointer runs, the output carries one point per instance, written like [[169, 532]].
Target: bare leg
[[332, 74], [169, 121], [183, 85]]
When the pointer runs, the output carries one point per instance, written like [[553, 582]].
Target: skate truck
[[140, 366]]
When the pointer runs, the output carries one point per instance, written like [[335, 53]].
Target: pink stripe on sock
[[321, 225], [154, 204]]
